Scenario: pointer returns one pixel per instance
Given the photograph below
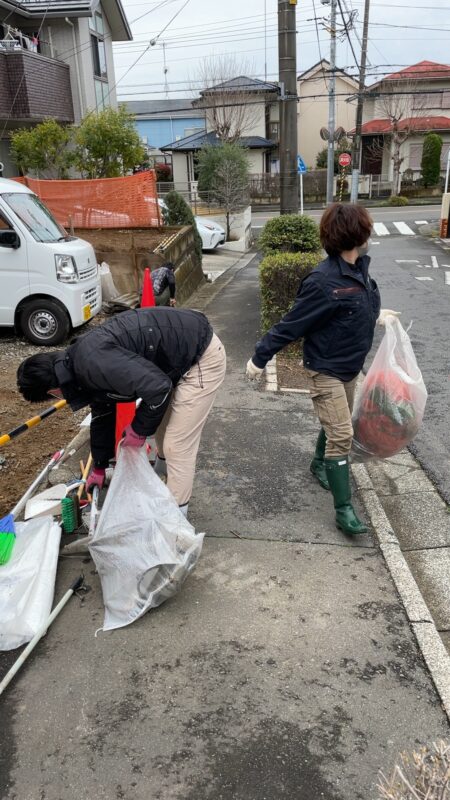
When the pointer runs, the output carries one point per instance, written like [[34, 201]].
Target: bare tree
[[233, 105], [401, 104]]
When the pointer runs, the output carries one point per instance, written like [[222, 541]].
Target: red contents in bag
[[387, 419]]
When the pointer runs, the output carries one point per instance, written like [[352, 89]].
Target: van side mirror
[[9, 238]]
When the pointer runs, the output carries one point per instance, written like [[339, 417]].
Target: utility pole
[[287, 67], [356, 148], [331, 102]]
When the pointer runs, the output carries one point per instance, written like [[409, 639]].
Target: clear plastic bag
[[27, 581], [143, 546], [390, 405]]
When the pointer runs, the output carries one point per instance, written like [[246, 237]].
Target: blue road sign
[[301, 166]]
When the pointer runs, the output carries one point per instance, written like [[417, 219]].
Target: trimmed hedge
[[280, 275], [290, 233], [398, 200]]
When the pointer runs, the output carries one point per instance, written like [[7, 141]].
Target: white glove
[[252, 372], [386, 312]]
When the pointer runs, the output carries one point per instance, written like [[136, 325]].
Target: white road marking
[[403, 228], [425, 278], [371, 243], [380, 229], [446, 265], [428, 266], [420, 222], [406, 261], [434, 262], [447, 278]]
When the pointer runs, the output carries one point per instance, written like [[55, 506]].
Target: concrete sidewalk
[[286, 668]]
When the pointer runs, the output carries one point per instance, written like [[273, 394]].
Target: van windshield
[[35, 216]]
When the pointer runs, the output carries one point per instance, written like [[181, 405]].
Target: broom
[[7, 527]]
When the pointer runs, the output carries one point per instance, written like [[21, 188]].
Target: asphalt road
[[406, 214], [412, 273]]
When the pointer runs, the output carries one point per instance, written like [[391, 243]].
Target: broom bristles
[[7, 538]]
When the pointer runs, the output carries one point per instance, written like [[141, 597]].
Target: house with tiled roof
[[312, 108], [404, 106], [241, 108]]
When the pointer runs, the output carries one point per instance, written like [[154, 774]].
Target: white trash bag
[[143, 546], [27, 581], [390, 405]]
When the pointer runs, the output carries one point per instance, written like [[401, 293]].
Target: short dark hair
[[169, 265], [344, 226], [36, 376]]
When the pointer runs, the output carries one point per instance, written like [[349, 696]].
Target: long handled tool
[[7, 528], [30, 423], [31, 645]]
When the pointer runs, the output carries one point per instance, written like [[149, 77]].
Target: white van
[[49, 281]]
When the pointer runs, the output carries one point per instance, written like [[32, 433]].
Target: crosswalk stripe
[[424, 278], [403, 228], [434, 262], [420, 222], [380, 229], [447, 278]]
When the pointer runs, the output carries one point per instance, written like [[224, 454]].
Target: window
[[274, 131], [99, 56], [4, 224], [430, 100], [444, 155], [415, 156], [96, 23], [36, 217], [101, 94]]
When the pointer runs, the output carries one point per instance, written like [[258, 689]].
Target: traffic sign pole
[[301, 193]]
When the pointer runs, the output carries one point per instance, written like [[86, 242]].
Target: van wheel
[[44, 322]]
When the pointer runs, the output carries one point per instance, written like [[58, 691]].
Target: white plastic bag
[[143, 546], [390, 406], [109, 291], [27, 581]]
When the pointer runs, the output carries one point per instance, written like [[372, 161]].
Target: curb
[[430, 643], [203, 296]]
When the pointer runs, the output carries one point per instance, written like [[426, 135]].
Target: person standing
[[169, 358], [164, 285], [335, 312]]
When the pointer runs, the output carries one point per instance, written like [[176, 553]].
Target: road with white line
[[413, 274], [404, 221]]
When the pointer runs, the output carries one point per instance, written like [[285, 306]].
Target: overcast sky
[[209, 27]]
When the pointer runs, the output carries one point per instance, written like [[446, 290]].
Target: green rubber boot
[[317, 466], [338, 474]]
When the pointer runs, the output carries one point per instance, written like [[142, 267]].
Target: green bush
[[179, 213], [398, 200], [290, 233], [280, 275], [431, 159]]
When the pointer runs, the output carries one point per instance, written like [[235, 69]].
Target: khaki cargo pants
[[333, 402], [178, 436]]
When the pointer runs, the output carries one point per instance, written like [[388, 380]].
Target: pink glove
[[131, 438], [96, 477]]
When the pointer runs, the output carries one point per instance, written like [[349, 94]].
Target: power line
[[151, 44], [347, 32]]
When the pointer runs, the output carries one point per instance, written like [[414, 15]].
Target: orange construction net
[[130, 202]]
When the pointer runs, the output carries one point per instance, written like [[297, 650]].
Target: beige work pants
[[178, 436], [333, 402]]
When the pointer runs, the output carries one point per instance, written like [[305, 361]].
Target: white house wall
[[312, 113]]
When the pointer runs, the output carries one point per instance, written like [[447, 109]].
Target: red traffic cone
[[148, 297]]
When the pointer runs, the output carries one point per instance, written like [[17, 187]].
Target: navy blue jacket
[[335, 312]]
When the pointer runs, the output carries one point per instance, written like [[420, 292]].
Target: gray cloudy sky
[[401, 33]]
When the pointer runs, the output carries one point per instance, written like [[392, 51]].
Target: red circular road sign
[[345, 160]]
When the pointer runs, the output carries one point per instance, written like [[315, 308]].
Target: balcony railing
[[32, 86]]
